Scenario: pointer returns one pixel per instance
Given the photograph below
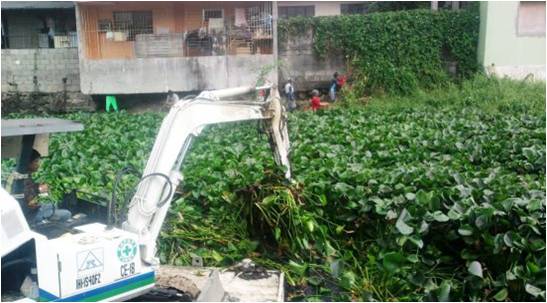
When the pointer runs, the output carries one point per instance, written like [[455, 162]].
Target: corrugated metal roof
[[20, 127], [36, 4]]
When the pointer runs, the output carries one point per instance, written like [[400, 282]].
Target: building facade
[[512, 39], [154, 47], [39, 47]]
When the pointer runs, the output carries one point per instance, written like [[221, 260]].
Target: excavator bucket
[[278, 133]]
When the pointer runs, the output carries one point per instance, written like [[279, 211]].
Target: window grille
[[212, 13], [133, 23], [354, 8], [294, 11], [236, 29], [105, 25]]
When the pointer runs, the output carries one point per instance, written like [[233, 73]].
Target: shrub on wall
[[395, 52]]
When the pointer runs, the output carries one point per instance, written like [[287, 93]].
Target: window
[[531, 19], [133, 23], [212, 14], [354, 8], [105, 25], [293, 11], [47, 28]]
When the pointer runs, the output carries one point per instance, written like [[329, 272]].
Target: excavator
[[103, 262]]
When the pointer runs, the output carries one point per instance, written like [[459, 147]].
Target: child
[[316, 101]]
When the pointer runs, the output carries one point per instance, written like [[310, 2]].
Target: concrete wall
[[504, 52], [49, 66], [157, 75], [298, 62], [322, 8]]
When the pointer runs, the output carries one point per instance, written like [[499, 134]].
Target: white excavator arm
[[186, 119]]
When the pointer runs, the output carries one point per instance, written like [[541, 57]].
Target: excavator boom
[[186, 119]]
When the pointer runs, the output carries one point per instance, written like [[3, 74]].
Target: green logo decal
[[127, 249]]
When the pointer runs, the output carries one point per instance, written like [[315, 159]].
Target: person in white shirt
[[289, 92]]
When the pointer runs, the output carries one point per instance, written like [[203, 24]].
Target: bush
[[396, 52], [489, 94]]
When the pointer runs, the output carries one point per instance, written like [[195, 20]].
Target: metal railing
[[223, 31]]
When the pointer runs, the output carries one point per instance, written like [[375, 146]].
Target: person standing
[[289, 92], [333, 88]]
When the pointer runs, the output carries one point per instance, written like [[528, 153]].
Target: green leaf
[[465, 230], [529, 153], [410, 196], [413, 258], [348, 279], [299, 269], [501, 295], [401, 226], [423, 198], [314, 280], [269, 200], [310, 225], [329, 250], [475, 268], [508, 239], [440, 217], [534, 291], [393, 261], [216, 256], [417, 241], [481, 221], [277, 233], [532, 267], [444, 291]]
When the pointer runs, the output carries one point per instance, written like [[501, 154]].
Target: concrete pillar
[[481, 50], [274, 42], [81, 42], [434, 5], [455, 5]]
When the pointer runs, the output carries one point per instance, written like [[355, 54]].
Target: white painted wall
[[504, 52], [327, 8]]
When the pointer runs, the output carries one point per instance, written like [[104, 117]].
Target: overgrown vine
[[394, 52]]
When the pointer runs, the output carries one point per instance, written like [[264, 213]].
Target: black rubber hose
[[161, 203], [112, 202], [123, 171]]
